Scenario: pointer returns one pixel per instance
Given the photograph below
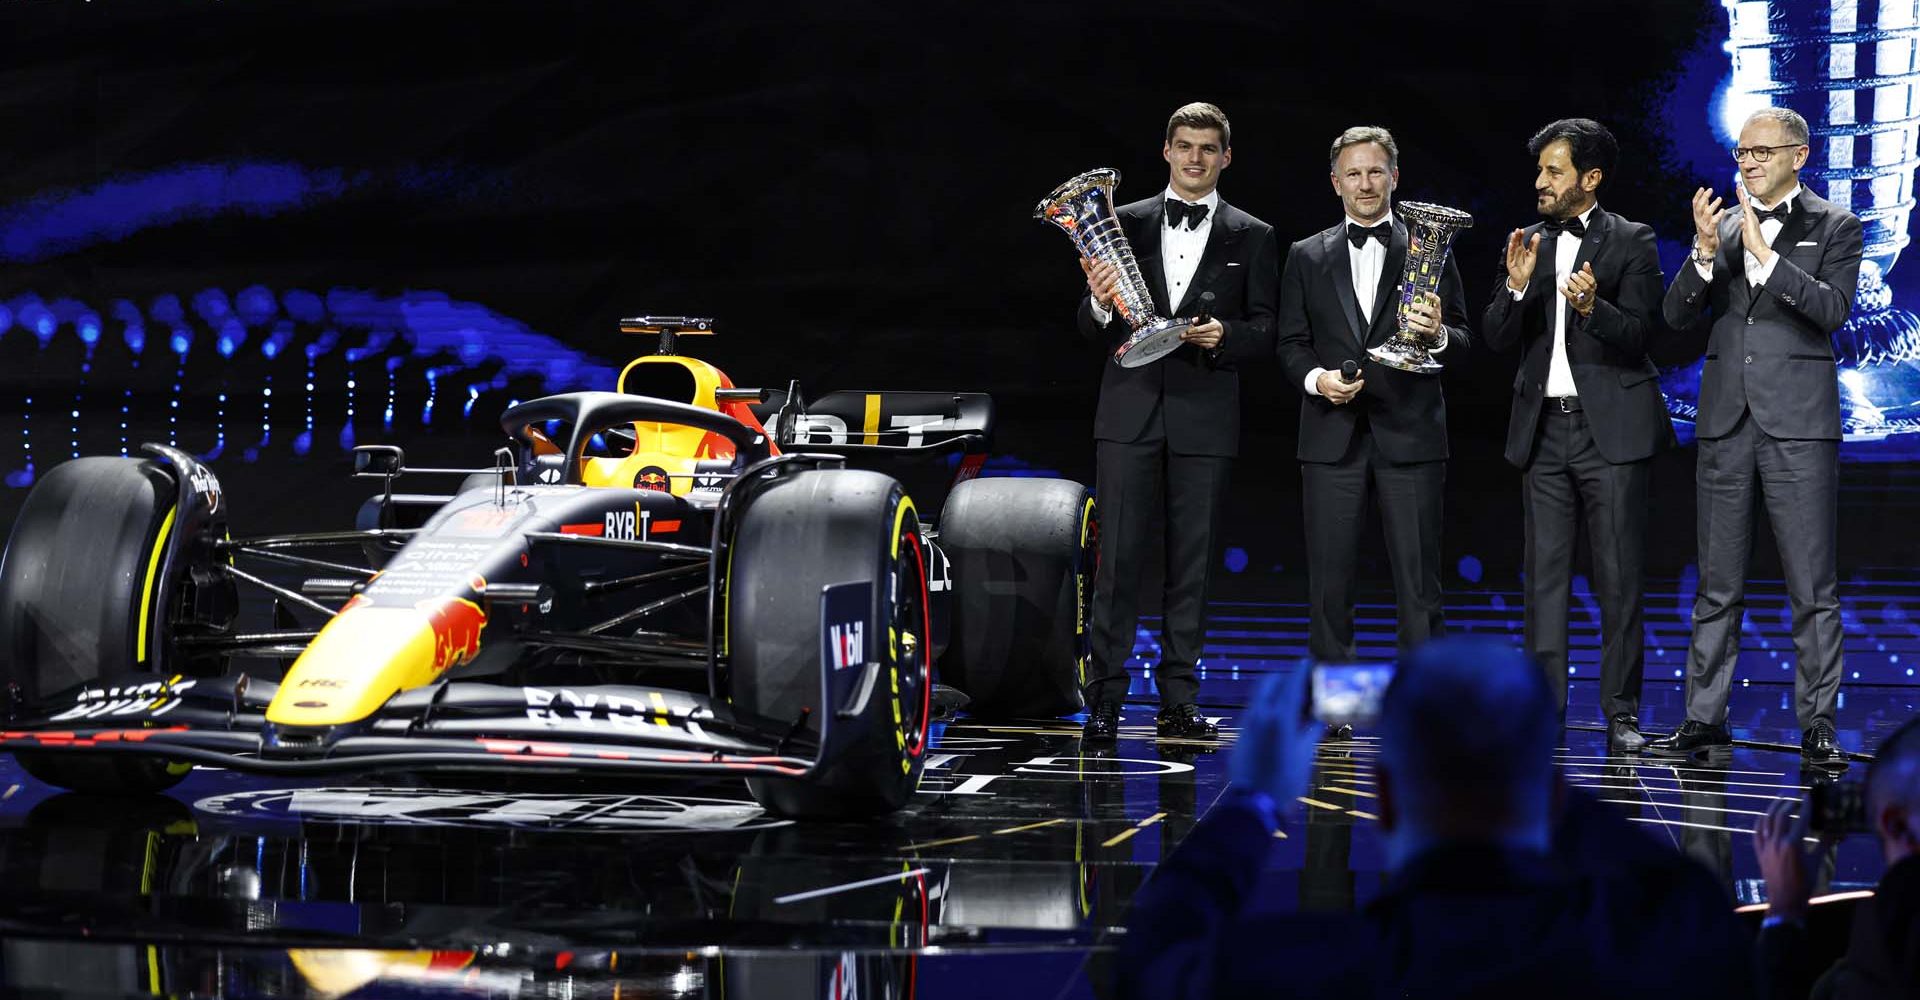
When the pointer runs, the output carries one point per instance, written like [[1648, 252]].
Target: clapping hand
[[1580, 290], [1521, 256], [1706, 221], [1751, 238]]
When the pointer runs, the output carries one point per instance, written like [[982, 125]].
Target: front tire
[[79, 591], [803, 533]]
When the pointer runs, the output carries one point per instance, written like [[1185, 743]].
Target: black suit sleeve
[[1625, 326], [1687, 297], [1179, 919], [1504, 320], [1251, 337], [1453, 313], [1293, 332], [1824, 298], [1109, 333]]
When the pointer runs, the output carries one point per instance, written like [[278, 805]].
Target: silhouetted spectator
[[1494, 891], [1883, 956]]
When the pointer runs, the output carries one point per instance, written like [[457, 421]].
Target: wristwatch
[[1696, 257]]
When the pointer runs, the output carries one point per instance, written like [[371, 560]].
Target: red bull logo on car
[[456, 624]]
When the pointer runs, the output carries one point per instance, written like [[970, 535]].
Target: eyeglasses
[[1760, 154]]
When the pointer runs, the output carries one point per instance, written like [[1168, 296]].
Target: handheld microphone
[[1349, 371], [1206, 309]]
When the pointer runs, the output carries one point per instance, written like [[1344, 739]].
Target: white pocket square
[[1233, 263], [1806, 243]]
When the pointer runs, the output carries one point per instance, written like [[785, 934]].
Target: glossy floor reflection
[[1011, 873]]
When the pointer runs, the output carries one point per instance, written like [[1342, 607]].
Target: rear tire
[[1022, 556], [73, 582], [806, 532]]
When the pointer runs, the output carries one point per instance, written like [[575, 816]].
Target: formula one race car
[[644, 581]]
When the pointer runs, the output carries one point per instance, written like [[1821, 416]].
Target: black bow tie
[[1776, 214], [1573, 225], [1180, 213], [1357, 235]]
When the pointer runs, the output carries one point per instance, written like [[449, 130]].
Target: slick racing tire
[[1022, 555], [806, 532], [77, 583]]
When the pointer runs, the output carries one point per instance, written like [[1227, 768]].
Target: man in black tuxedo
[[1581, 297], [1385, 431], [1778, 277], [1165, 433]]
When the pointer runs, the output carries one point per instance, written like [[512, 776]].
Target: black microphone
[[1206, 315], [1349, 371]]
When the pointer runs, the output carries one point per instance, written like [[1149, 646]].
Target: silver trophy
[[1430, 233], [1083, 209]]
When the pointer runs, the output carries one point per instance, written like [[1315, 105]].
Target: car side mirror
[[378, 460]]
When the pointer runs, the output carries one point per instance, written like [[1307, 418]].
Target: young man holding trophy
[[1166, 430], [1580, 300], [1357, 327]]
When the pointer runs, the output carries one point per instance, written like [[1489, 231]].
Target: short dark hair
[[1894, 775], [1364, 133], [1469, 725], [1589, 143], [1200, 114]]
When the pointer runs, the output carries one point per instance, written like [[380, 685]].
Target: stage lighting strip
[[1127, 834]]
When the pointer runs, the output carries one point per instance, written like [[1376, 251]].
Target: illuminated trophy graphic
[[1430, 233], [1083, 209], [1849, 67]]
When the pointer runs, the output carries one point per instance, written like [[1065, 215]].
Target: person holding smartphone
[[1883, 958], [1496, 878]]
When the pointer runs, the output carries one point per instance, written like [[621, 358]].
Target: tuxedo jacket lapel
[[1738, 297], [1146, 251], [1340, 261], [1797, 225], [1589, 249], [1543, 287], [1386, 300]]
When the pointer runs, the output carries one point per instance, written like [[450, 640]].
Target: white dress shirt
[[1365, 265], [1566, 249], [1758, 273], [1180, 250]]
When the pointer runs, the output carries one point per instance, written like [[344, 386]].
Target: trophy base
[[1151, 343], [1407, 356]]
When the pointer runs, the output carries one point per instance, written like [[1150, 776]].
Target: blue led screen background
[[271, 231]]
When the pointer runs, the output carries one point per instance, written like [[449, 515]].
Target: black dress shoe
[[1623, 734], [1819, 747], [1184, 722], [1103, 723], [1691, 738]]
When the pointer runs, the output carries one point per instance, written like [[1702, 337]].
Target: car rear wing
[[929, 441]]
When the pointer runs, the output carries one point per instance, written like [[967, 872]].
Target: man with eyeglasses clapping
[[1777, 272]]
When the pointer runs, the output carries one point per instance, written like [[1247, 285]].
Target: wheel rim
[[908, 619]]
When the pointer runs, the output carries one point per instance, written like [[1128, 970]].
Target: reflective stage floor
[[1009, 875]]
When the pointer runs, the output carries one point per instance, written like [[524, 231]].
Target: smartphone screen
[[1349, 694]]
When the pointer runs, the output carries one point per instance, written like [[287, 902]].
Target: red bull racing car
[[681, 576]]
